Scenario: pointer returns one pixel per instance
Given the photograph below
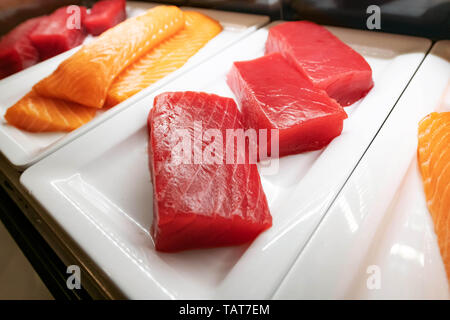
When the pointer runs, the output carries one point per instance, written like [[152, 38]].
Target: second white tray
[[380, 222]]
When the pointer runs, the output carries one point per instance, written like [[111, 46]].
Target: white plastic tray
[[98, 187], [380, 218], [23, 148]]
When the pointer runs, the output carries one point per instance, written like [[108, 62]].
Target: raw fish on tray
[[86, 76], [327, 61], [273, 95], [169, 56], [16, 50], [199, 204], [83, 81], [105, 14], [59, 32], [35, 113], [434, 163]]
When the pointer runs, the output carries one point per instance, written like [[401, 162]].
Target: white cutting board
[[23, 148], [380, 218], [98, 189]]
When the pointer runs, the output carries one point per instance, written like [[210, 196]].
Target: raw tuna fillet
[[434, 162], [59, 32], [273, 95], [104, 15], [16, 50], [328, 62], [86, 76], [200, 204]]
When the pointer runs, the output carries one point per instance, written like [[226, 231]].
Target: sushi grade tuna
[[273, 95], [16, 50], [104, 15], [201, 205], [59, 32], [434, 163], [86, 76], [328, 62], [38, 114], [169, 56]]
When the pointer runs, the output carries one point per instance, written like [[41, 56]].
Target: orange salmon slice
[[434, 163], [86, 76], [169, 56], [35, 113]]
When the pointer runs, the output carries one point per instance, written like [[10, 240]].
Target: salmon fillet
[[86, 76], [434, 162], [169, 56], [39, 114]]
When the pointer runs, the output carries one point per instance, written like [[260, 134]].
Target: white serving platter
[[98, 189], [23, 148], [380, 218]]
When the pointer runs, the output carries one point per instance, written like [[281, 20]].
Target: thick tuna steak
[[104, 15], [200, 204], [16, 50], [273, 95], [328, 62], [59, 32]]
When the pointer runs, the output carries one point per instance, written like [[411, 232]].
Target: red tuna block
[[59, 32], [104, 15], [16, 50], [273, 95], [328, 62], [199, 204]]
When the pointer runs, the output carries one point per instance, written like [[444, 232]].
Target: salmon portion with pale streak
[[86, 76], [434, 162], [35, 113], [169, 56]]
